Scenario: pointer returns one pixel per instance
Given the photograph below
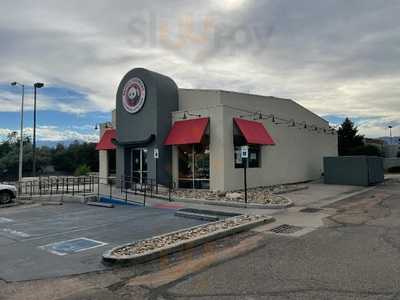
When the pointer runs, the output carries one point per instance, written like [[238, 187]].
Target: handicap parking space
[[52, 241]]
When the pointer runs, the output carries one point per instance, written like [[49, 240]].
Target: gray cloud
[[334, 57]]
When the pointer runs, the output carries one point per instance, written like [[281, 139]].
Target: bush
[[368, 150], [394, 170], [82, 170]]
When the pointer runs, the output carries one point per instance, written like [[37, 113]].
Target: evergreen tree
[[352, 143], [349, 137]]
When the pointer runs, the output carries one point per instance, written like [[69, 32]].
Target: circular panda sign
[[134, 95]]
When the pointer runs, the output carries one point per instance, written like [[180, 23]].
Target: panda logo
[[134, 95]]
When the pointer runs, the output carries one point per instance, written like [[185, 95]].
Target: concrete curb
[[196, 216], [65, 198], [11, 204], [292, 190], [344, 197], [51, 203], [109, 258], [229, 203], [99, 204]]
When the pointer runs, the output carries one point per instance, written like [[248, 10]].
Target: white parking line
[[5, 220], [67, 247], [16, 233]]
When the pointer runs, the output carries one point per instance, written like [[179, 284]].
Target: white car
[[7, 193]]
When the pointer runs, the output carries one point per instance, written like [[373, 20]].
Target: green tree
[[68, 159], [64, 159], [349, 139], [352, 143]]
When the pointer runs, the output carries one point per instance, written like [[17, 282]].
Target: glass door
[[139, 165], [194, 166]]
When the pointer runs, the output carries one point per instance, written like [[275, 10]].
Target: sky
[[338, 58]]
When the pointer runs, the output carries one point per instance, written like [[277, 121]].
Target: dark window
[[254, 160], [112, 169]]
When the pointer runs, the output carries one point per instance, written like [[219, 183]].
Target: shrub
[[394, 170], [368, 150], [82, 170]]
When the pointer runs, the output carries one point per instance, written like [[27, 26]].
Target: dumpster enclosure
[[354, 170]]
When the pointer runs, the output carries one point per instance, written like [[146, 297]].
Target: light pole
[[36, 86], [391, 137], [21, 142]]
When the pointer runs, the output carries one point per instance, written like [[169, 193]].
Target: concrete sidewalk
[[317, 195]]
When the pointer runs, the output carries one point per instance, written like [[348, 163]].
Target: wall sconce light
[[186, 114]]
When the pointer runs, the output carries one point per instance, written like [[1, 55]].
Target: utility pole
[[36, 86], [21, 142]]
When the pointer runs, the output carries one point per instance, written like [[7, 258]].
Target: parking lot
[[52, 241]]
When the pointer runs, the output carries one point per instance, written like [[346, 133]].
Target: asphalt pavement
[[355, 254], [52, 241]]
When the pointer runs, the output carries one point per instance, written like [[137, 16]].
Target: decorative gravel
[[261, 195], [171, 239]]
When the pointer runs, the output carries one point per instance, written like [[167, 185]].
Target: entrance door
[[139, 165]]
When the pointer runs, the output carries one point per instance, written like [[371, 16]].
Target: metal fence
[[128, 190], [57, 186]]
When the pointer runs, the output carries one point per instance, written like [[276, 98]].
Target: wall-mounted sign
[[156, 153], [244, 152], [133, 95]]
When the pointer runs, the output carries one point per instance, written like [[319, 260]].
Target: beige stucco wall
[[215, 113], [297, 155], [103, 166], [198, 99]]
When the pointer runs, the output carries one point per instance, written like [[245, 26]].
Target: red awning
[[187, 132], [106, 140], [254, 132]]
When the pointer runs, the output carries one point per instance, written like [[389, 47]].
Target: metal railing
[[129, 190], [56, 186]]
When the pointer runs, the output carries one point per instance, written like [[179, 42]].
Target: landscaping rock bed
[[270, 197], [155, 247]]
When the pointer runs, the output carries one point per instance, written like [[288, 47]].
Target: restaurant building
[[193, 138]]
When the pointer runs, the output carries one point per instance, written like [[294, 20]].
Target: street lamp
[[21, 142], [391, 137], [36, 86]]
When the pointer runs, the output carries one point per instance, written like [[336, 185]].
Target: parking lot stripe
[[72, 246]]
